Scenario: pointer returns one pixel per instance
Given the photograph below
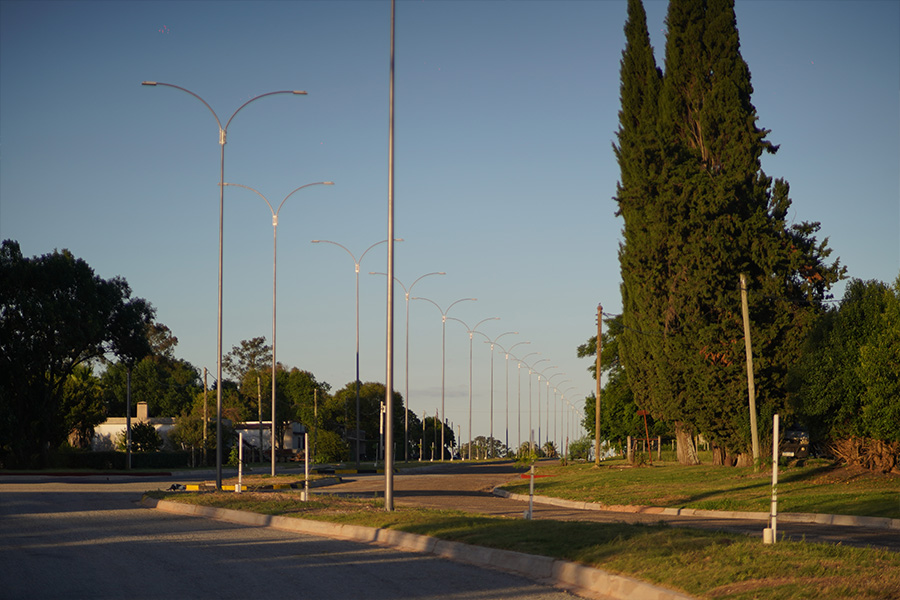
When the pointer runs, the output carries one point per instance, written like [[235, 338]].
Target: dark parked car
[[795, 443]]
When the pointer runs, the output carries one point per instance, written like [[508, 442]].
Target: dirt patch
[[855, 473]]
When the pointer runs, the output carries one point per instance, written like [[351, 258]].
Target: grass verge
[[817, 487], [703, 564]]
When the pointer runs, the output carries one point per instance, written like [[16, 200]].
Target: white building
[[106, 433]]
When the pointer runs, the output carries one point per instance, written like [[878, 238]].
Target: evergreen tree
[[709, 214], [642, 255]]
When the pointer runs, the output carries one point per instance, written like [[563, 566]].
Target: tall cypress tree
[[698, 212], [638, 154]]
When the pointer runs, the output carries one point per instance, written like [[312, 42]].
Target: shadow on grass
[[565, 539]]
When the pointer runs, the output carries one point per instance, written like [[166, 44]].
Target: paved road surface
[[88, 538]]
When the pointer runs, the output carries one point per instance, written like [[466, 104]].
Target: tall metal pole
[[494, 343], [356, 268], [472, 332], [548, 404], [389, 378], [443, 357], [407, 292], [128, 418], [597, 404], [521, 361], [222, 135], [205, 394], [275, 213], [531, 370], [541, 374], [507, 352]]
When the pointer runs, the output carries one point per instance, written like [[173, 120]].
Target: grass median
[[700, 563], [818, 486]]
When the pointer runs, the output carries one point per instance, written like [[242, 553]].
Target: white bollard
[[770, 533], [774, 511], [237, 486], [306, 467]]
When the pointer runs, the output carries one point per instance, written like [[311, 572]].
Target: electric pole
[[750, 386]]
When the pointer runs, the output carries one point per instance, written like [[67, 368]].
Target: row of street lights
[[444, 314], [223, 132]]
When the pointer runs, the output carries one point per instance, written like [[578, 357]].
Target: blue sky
[[505, 117]]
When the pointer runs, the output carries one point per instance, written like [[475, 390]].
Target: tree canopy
[[847, 382], [55, 314], [699, 211]]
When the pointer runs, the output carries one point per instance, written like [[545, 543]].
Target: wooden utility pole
[[748, 347], [597, 404]]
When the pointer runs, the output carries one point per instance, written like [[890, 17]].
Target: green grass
[[701, 563], [818, 487]]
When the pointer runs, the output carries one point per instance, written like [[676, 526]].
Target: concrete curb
[[564, 574], [313, 483], [821, 519]]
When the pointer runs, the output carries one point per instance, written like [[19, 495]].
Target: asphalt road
[[89, 538]]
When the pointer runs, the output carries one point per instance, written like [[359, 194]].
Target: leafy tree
[[847, 381], [431, 437], [330, 447], [698, 212], [619, 418], [250, 365], [83, 406], [371, 397], [637, 338], [304, 398], [55, 314], [144, 438], [879, 367], [550, 449], [251, 355], [483, 448], [188, 431], [167, 385], [580, 449]]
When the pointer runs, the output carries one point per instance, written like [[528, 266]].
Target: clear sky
[[505, 117]]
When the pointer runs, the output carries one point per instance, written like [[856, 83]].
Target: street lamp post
[[506, 352], [443, 357], [407, 292], [547, 417], [494, 343], [564, 428], [519, 363], [471, 332], [541, 374], [223, 131], [356, 267], [557, 432], [531, 370], [274, 291]]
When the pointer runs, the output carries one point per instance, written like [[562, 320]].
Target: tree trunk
[[718, 456], [744, 460], [685, 447]]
